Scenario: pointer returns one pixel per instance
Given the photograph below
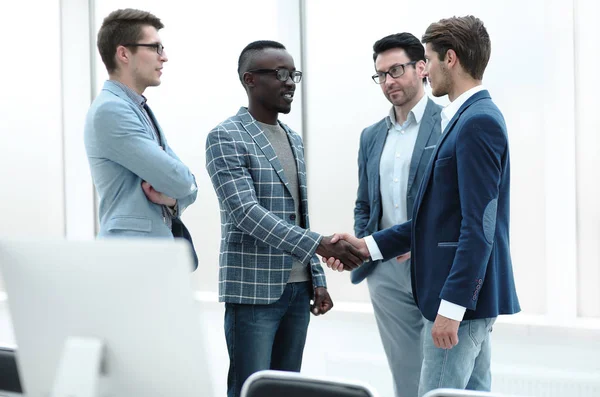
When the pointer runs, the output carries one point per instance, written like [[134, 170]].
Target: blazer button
[[293, 217]]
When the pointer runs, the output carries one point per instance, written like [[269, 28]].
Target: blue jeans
[[267, 336], [465, 366]]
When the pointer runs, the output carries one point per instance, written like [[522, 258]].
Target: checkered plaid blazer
[[259, 236]]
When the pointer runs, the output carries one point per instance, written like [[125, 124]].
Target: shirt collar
[[134, 96], [449, 111], [416, 113]]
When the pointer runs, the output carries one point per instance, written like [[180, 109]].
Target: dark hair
[[409, 43], [467, 37], [122, 27], [406, 41], [249, 52]]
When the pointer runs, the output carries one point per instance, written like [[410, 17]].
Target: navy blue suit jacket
[[459, 232], [368, 211]]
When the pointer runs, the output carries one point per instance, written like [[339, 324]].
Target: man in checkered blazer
[[268, 268]]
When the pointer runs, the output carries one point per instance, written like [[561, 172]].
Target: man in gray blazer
[[143, 186], [268, 270], [392, 158]]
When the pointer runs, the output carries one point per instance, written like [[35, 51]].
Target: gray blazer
[[367, 210], [122, 151], [259, 235]]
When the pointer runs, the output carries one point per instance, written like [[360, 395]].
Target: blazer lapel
[[263, 143], [161, 135], [445, 133], [298, 157], [118, 91], [376, 153], [425, 131]]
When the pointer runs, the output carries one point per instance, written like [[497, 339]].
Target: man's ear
[[248, 79], [451, 59], [420, 66], [122, 55]]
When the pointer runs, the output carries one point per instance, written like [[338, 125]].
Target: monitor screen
[[133, 295]]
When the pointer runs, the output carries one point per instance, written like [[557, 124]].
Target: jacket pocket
[[443, 161], [134, 223], [448, 244]]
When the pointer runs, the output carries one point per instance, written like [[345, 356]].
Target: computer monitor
[[133, 295]]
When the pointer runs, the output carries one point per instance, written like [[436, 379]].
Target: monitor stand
[[80, 366]]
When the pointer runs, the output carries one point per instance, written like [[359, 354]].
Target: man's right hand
[[336, 263], [349, 255]]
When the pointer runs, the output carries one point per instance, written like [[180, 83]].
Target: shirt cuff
[[373, 248], [451, 310]]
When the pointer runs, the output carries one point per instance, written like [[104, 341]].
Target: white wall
[[587, 103], [31, 163]]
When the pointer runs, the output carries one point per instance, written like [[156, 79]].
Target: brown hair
[[467, 37], [122, 27]]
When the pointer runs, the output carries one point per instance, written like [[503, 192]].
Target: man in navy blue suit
[[458, 236]]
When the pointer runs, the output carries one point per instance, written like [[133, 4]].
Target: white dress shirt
[[450, 110], [394, 165], [446, 309]]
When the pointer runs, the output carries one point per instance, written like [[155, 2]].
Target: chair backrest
[[9, 375], [290, 384]]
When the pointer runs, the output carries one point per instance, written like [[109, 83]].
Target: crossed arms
[[125, 141]]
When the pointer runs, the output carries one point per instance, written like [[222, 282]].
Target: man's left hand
[[445, 332], [322, 302]]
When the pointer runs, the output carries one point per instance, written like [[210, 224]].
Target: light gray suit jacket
[[122, 151], [367, 212]]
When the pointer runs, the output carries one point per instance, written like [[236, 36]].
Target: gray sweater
[[279, 140]]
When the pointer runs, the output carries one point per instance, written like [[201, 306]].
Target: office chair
[[291, 384], [9, 375]]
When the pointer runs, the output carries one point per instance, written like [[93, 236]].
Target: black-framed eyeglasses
[[394, 72], [282, 74], [159, 47]]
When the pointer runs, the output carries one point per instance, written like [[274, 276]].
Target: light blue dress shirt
[[394, 165]]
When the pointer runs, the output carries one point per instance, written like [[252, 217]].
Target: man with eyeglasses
[[392, 158], [268, 268], [143, 186]]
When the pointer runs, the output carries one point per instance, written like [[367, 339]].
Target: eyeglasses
[[159, 47], [394, 72], [281, 74]]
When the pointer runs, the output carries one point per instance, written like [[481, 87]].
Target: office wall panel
[[587, 103], [31, 171]]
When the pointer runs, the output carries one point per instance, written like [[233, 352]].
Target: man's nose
[[388, 79], [289, 82]]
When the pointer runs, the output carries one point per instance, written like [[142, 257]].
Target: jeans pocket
[[479, 329]]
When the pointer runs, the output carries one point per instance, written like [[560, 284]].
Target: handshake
[[343, 251]]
